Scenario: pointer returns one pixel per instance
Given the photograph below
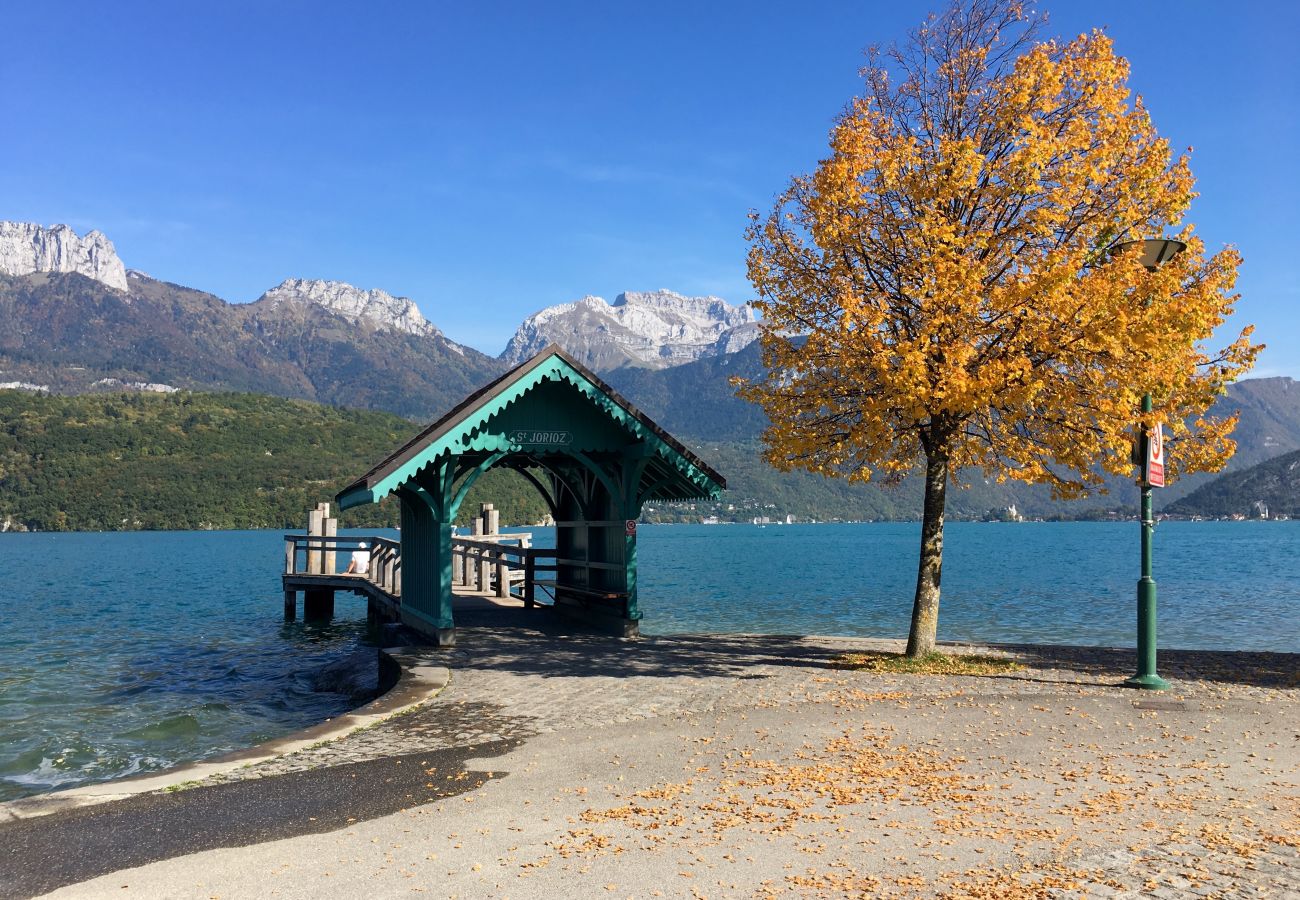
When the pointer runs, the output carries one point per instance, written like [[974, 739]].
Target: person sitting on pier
[[360, 564]]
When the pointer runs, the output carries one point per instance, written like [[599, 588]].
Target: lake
[[131, 652]]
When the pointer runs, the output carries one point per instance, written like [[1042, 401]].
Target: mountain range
[[652, 330], [75, 311], [74, 320]]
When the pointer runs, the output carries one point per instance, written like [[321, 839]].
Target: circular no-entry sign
[[629, 528]]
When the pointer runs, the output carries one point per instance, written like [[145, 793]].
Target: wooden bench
[[617, 599]]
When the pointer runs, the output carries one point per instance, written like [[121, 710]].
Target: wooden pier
[[593, 458], [487, 563]]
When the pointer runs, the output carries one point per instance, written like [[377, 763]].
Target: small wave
[[47, 774], [179, 726], [76, 765]]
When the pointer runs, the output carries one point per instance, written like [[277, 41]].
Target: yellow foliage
[[946, 283]]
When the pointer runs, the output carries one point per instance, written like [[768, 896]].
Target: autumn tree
[[948, 288]]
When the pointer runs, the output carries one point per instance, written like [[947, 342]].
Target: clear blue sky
[[491, 159]]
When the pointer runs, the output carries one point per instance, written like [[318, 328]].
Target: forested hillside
[[185, 461], [197, 460], [1270, 488]]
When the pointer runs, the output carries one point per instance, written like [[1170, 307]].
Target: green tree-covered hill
[[1271, 487], [189, 460], [227, 460]]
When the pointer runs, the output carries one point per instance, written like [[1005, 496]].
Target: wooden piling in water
[[318, 604], [315, 528], [331, 530]]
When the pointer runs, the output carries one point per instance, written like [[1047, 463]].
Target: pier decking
[[487, 563]]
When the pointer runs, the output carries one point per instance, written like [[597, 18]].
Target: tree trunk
[[925, 608]]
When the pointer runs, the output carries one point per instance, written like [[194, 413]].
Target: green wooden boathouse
[[593, 456]]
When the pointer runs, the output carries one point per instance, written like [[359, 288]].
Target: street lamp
[[1155, 252]]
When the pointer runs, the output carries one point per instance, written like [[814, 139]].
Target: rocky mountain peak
[[653, 329], [375, 308], [713, 309], [26, 249]]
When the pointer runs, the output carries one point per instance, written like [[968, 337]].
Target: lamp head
[[1155, 251]]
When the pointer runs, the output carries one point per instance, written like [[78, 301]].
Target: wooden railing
[[311, 554], [502, 565], [499, 565]]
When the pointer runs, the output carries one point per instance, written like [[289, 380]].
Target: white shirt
[[361, 559]]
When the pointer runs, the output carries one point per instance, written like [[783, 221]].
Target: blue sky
[[491, 159]]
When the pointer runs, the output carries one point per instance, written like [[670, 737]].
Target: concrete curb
[[417, 681]]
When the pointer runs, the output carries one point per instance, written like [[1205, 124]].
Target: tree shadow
[[541, 642], [1113, 664]]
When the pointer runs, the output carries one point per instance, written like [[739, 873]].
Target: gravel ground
[[740, 766]]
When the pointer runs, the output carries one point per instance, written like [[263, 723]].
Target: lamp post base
[[1147, 683]]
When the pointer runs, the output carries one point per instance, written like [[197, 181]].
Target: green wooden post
[[629, 559], [426, 565], [635, 460]]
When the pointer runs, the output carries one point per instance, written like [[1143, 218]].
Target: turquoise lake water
[[132, 652]]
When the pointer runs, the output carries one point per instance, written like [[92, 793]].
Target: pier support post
[[290, 605], [377, 614], [318, 604], [331, 530], [473, 560], [503, 576], [315, 528], [484, 572]]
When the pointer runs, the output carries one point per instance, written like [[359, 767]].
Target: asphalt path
[[48, 852]]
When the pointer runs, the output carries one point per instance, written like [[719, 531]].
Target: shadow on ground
[[538, 642], [1253, 669]]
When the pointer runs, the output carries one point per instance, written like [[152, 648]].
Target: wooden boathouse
[[594, 458]]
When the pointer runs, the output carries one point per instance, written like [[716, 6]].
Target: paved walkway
[[565, 765]]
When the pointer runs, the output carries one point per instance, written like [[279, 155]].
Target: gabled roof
[[471, 413]]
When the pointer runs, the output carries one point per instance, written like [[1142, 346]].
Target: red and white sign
[[629, 528], [1155, 462]]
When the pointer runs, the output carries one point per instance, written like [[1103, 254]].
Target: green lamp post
[[1155, 251]]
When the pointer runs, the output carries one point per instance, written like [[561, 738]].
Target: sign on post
[[1154, 470], [629, 528]]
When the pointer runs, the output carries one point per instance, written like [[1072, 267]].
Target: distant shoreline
[[950, 521]]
